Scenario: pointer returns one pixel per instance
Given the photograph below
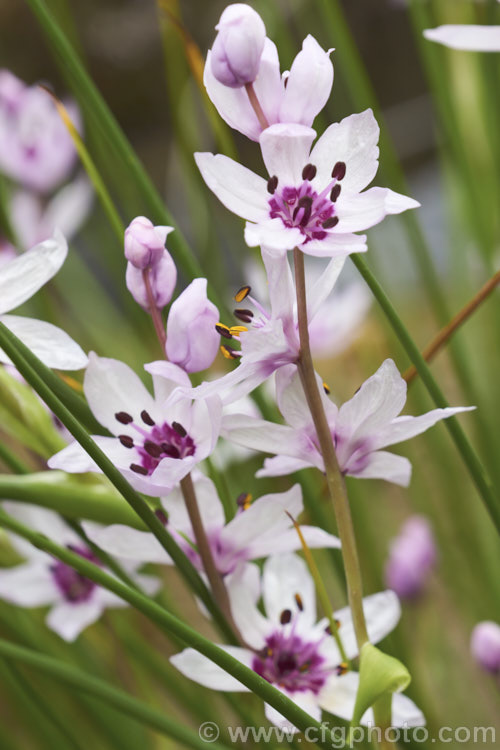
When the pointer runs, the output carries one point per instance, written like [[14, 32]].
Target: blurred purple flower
[[238, 46], [485, 646], [192, 341], [411, 559]]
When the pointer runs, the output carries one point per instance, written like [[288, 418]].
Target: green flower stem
[[105, 692], [334, 478], [472, 462], [168, 623], [12, 461], [27, 364]]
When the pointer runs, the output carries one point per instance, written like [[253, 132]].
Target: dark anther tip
[[147, 419], [139, 469], [285, 616], [338, 172], [331, 222], [123, 417], [309, 172], [272, 184], [180, 430], [126, 441], [335, 192]]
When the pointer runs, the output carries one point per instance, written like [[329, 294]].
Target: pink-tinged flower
[[145, 243], [158, 440], [295, 97], [238, 47], [272, 339], [291, 649], [34, 219], [75, 601], [258, 530], [192, 341], [35, 147], [162, 279], [411, 559], [466, 37], [485, 646], [360, 428], [20, 278], [312, 199]]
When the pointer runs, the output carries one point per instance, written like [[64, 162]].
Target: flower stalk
[[154, 311]]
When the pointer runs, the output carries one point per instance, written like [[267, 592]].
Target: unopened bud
[[411, 559], [145, 243], [238, 46], [192, 341], [485, 646], [162, 278]]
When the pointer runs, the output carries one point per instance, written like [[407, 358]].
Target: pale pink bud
[[238, 46], [162, 279], [485, 646], [192, 341], [144, 243], [411, 559]]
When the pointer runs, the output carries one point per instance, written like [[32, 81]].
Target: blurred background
[[440, 120]]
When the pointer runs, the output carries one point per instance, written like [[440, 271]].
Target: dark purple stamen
[[139, 469], [126, 441], [309, 172], [161, 516], [147, 419], [123, 417], [153, 449], [244, 315], [180, 430], [331, 222], [338, 172], [74, 587], [223, 331], [335, 192], [272, 184], [285, 616]]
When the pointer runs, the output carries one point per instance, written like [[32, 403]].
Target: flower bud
[[412, 557], [192, 341], [485, 646], [162, 278], [144, 243], [238, 46]]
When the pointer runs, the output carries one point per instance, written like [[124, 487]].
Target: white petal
[[306, 700], [273, 234], [405, 713], [406, 427], [382, 613], [466, 37], [198, 668], [130, 544], [288, 541], [336, 245], [323, 286], [166, 378], [285, 576], [354, 142], [377, 403], [47, 342], [28, 585], [309, 84], [292, 403], [285, 150], [388, 466], [211, 510], [23, 276], [45, 521], [75, 460], [110, 387], [243, 587], [282, 466], [338, 696], [263, 436], [280, 285], [339, 321], [359, 212], [68, 620], [238, 189], [69, 208]]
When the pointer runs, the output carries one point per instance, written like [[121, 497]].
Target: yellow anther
[[326, 389], [242, 292], [223, 330], [299, 602], [227, 352], [342, 668], [236, 330]]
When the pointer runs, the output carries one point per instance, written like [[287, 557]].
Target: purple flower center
[[305, 209], [154, 442], [74, 587], [288, 661]]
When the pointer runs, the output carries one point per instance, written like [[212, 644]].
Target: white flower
[[20, 279], [158, 440], [360, 428], [290, 649], [469, 37], [262, 529], [42, 580], [313, 198]]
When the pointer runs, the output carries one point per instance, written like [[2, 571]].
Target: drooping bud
[[162, 279], [485, 646], [192, 341], [238, 47], [412, 557], [145, 243]]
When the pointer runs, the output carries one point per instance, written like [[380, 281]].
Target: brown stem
[[256, 106], [214, 577], [447, 332], [154, 311], [334, 478]]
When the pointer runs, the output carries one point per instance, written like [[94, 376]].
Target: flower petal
[[335, 245], [282, 466], [405, 713], [406, 427], [211, 510], [323, 285], [166, 378], [23, 276], [309, 84], [292, 403], [285, 576], [273, 234], [130, 544], [238, 189], [285, 150], [307, 701], [354, 142], [382, 613], [388, 466], [262, 436], [198, 668], [243, 587], [70, 206], [47, 342], [359, 212], [466, 37], [69, 619], [29, 585]]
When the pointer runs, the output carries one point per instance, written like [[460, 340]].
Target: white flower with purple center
[[312, 199], [258, 529], [20, 278], [76, 601], [291, 649], [360, 428], [157, 440]]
